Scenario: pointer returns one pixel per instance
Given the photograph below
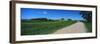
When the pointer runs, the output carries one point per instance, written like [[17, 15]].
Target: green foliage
[[87, 15], [62, 19], [69, 19], [88, 26], [42, 27]]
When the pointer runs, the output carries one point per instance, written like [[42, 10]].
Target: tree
[[87, 15], [40, 19], [62, 19], [69, 19]]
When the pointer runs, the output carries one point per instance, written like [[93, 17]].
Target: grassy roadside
[[88, 26], [38, 28]]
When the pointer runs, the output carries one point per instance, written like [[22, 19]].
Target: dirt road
[[78, 27]]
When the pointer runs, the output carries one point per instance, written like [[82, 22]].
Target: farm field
[[42, 27]]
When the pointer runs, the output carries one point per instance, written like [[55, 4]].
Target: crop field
[[42, 27]]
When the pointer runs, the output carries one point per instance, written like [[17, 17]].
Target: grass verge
[[88, 26]]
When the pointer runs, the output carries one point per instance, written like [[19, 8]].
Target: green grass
[[88, 26], [42, 27]]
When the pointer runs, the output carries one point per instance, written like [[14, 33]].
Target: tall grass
[[88, 26], [42, 27]]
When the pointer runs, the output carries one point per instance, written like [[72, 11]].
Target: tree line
[[87, 15]]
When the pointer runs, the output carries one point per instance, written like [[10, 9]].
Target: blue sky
[[29, 13]]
